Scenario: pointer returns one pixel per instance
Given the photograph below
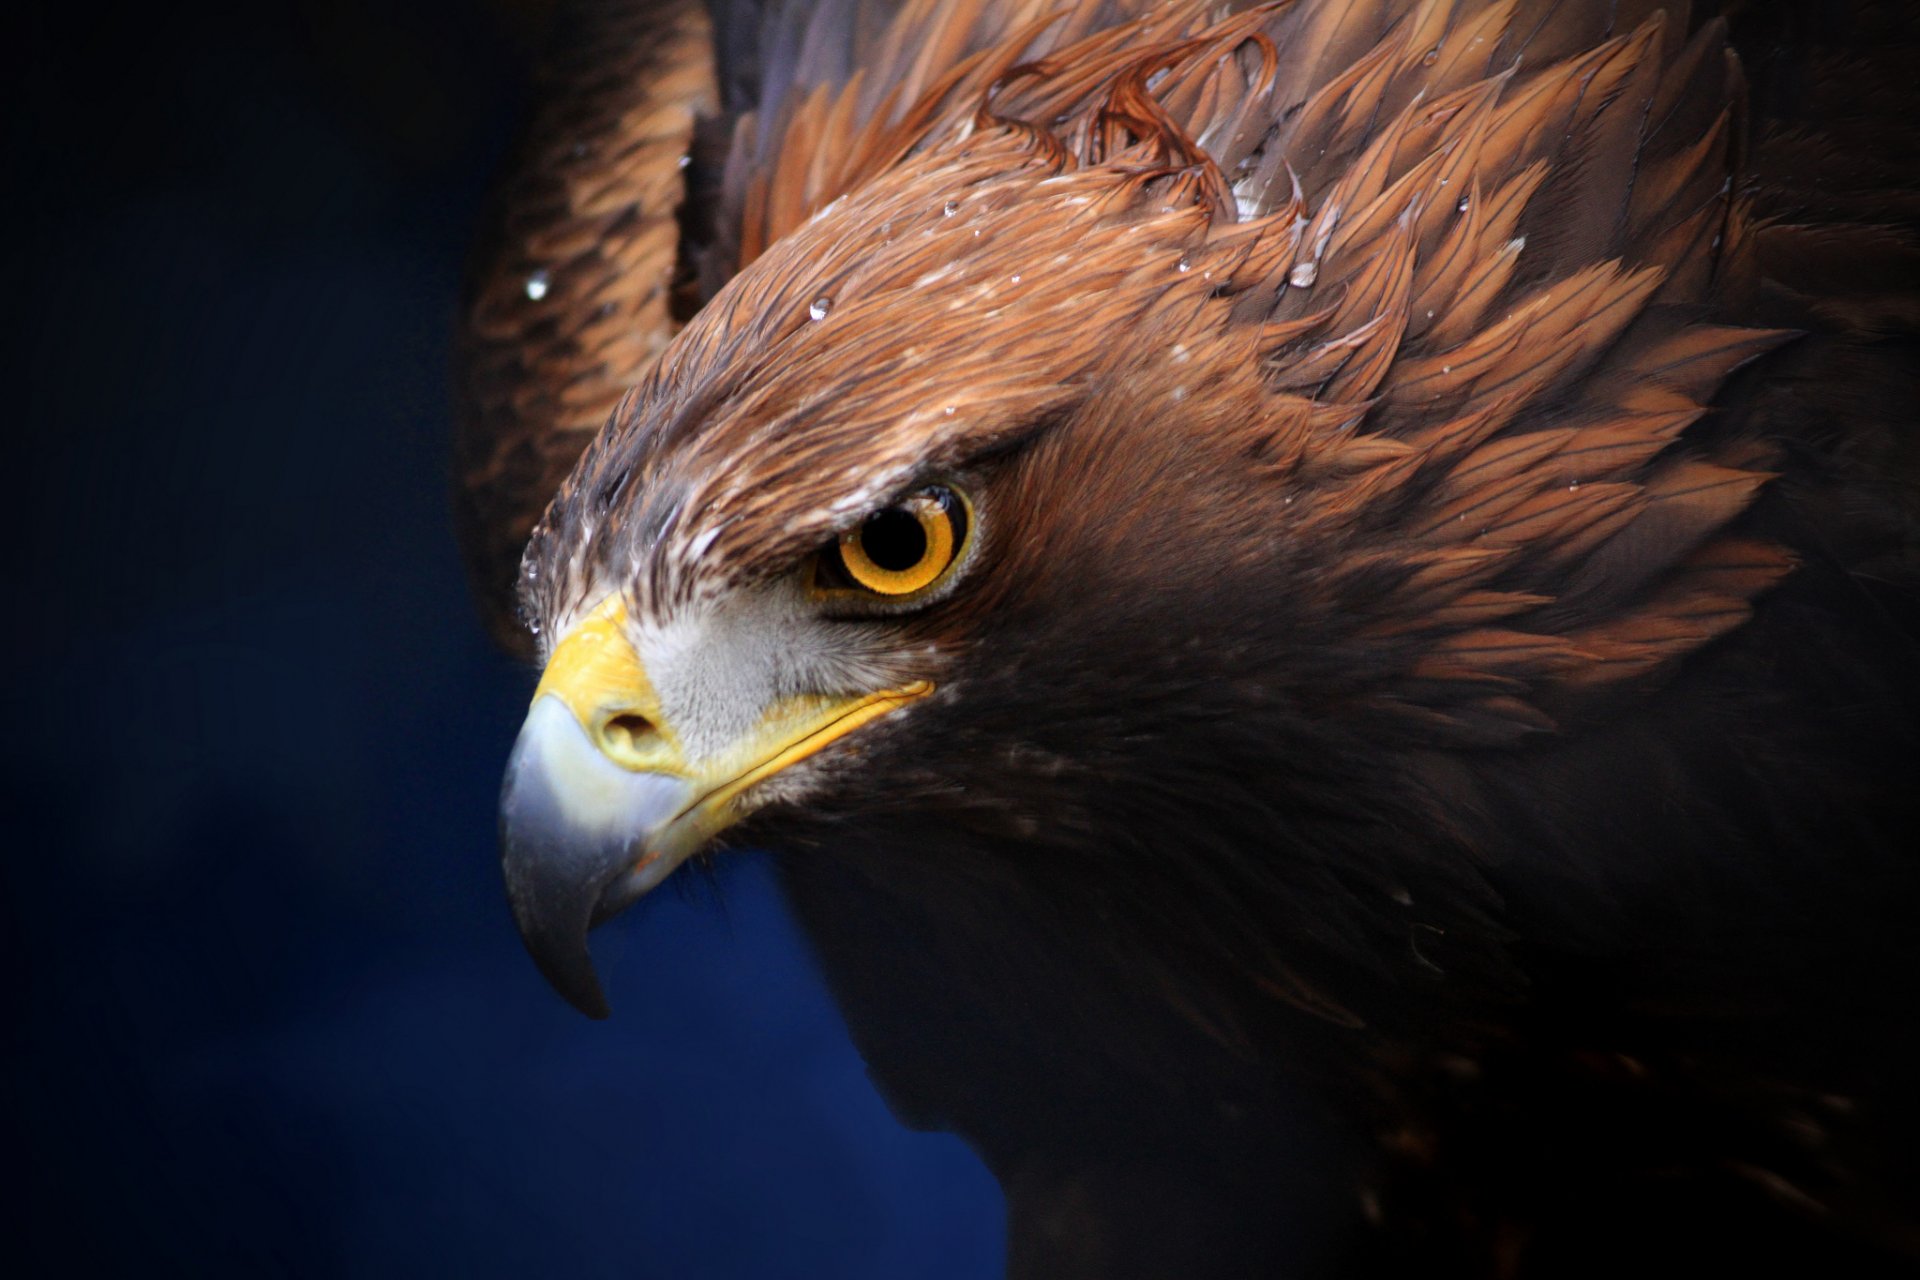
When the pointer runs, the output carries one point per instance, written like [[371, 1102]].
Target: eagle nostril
[[628, 731]]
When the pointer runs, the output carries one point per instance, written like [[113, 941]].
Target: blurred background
[[266, 1012]]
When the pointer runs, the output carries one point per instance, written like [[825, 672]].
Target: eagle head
[[1148, 463]]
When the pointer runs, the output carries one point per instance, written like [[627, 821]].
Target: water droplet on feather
[[821, 305], [1303, 275], [537, 285]]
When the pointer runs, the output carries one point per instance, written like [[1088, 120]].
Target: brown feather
[[572, 293], [1407, 281], [1414, 430]]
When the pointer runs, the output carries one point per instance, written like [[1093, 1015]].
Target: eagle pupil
[[894, 539]]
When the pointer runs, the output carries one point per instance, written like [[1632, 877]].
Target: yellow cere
[[595, 671]]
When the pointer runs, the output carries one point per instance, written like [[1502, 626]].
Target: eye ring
[[899, 553]]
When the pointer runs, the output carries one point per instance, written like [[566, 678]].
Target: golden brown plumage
[[1496, 453], [1439, 565]]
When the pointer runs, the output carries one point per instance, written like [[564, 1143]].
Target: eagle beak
[[601, 803], [570, 822]]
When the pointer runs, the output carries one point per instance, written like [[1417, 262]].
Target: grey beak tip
[[575, 982], [569, 861], [554, 912], [553, 891], [562, 957], [582, 991]]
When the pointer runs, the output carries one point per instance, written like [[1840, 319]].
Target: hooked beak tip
[[554, 928], [570, 821]]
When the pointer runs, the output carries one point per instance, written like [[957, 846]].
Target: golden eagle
[[1317, 598]]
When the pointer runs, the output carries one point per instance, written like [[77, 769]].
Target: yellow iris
[[905, 548]]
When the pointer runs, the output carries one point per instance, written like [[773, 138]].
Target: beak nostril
[[628, 731]]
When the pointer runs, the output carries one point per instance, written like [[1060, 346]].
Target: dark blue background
[[266, 1011]]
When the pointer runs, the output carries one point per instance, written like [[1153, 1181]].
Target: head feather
[[1438, 278]]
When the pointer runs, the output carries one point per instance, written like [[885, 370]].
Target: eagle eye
[[900, 550]]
